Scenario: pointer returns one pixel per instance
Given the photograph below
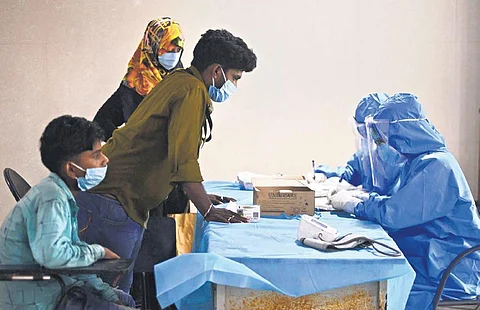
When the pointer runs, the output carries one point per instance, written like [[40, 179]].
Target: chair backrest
[[438, 294], [17, 185]]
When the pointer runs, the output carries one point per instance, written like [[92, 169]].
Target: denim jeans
[[103, 221]]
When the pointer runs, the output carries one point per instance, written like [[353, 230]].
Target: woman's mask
[[169, 60]]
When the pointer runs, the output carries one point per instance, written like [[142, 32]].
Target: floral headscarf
[[144, 70]]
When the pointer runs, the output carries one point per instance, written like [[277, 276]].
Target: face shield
[[385, 162], [360, 134]]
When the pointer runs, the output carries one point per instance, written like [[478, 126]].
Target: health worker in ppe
[[357, 169], [429, 211]]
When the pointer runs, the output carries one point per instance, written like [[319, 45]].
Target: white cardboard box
[[276, 196]]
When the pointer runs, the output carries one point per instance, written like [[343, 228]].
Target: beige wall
[[316, 59]]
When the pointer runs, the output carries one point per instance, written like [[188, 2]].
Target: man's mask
[[221, 94]]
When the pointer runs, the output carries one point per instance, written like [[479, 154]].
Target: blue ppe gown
[[430, 212]]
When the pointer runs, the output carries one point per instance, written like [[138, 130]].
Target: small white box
[[250, 212]]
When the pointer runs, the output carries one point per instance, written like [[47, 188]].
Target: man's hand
[[197, 194], [224, 216], [216, 200], [109, 254]]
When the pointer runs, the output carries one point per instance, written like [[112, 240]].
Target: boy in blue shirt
[[42, 227]]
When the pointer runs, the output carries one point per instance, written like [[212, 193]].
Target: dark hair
[[66, 137], [222, 47]]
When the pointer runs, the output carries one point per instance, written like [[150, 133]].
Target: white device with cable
[[318, 235], [311, 227]]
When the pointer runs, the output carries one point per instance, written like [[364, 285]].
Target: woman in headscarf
[[157, 54]]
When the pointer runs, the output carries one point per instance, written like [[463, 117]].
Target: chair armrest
[[14, 272], [104, 266]]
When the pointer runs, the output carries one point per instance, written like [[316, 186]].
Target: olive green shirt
[[158, 146]]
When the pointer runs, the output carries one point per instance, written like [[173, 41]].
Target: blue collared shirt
[[42, 229]]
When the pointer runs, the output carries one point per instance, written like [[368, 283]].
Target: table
[[265, 256]]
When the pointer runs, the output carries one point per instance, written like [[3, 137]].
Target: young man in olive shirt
[[158, 148]]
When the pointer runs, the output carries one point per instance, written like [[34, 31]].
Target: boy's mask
[[93, 177]]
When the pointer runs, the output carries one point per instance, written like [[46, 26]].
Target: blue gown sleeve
[[330, 171], [352, 172], [430, 192]]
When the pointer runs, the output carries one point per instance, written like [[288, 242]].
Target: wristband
[[208, 211]]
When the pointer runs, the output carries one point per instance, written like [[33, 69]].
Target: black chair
[[17, 185], [454, 303]]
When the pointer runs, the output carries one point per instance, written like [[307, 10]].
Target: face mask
[[221, 94], [388, 165], [93, 177], [169, 60], [386, 162]]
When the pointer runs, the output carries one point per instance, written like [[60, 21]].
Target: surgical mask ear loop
[[77, 166], [224, 77]]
